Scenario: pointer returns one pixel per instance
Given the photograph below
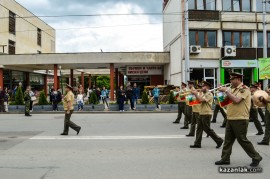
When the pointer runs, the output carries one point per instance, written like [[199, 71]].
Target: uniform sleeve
[[243, 94], [68, 97], [208, 97]]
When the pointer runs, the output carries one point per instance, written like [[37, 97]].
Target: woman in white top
[[80, 101]]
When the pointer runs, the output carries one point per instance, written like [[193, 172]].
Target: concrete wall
[[26, 30]]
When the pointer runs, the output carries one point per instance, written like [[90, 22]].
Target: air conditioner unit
[[230, 51], [195, 49]]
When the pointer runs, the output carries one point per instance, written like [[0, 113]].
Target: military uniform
[[68, 123], [181, 105], [266, 137], [195, 117], [188, 114], [218, 108], [237, 125], [254, 116], [204, 120], [27, 100]]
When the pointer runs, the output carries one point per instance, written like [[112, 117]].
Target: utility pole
[[187, 70], [265, 81]]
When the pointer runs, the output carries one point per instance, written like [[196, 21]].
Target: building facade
[[21, 32], [224, 36]]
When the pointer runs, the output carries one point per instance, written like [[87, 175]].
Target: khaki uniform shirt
[[180, 95], [206, 106], [197, 108], [241, 110], [187, 103], [69, 97]]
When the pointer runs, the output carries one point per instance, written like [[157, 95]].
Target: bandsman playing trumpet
[[260, 111], [253, 115], [180, 101], [203, 122], [237, 121], [266, 137], [188, 109]]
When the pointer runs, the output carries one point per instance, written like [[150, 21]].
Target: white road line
[[116, 137]]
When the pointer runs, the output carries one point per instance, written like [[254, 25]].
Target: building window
[[239, 39], [12, 23], [260, 39], [236, 5], [203, 38], [11, 47], [202, 4], [39, 37], [259, 6]]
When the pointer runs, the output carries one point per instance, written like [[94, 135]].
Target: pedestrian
[[266, 138], [205, 116], [156, 93], [68, 107], [50, 93], [6, 100], [253, 115], [80, 100], [59, 95], [54, 99], [136, 95], [237, 121], [181, 101], [129, 95], [104, 95], [121, 97], [2, 99], [27, 101], [33, 98], [98, 94]]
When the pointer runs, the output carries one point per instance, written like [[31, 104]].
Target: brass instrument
[[256, 97], [216, 89], [222, 98]]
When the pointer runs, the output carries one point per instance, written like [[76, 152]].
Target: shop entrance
[[247, 72], [204, 74]]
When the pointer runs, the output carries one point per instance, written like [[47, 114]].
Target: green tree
[[19, 97], [171, 98], [103, 81], [145, 99], [93, 98], [42, 98]]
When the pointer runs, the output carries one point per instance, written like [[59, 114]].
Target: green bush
[[19, 97], [93, 98], [42, 99], [145, 99], [171, 98]]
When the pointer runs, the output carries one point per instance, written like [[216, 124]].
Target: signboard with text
[[144, 70], [264, 68], [239, 63]]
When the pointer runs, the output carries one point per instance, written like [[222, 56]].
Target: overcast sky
[[113, 33]]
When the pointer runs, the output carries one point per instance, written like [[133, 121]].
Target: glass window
[[227, 38], [200, 5], [246, 5], [211, 39], [192, 37], [259, 5], [201, 38], [191, 4], [236, 39], [226, 5], [209, 73], [210, 4], [260, 39], [246, 39], [236, 5]]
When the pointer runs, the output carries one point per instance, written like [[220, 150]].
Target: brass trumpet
[[216, 89]]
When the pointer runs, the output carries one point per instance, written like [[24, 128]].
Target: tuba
[[257, 95]]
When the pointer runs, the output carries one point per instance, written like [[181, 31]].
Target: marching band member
[[181, 102], [195, 115], [205, 117], [260, 111], [237, 121], [253, 115], [188, 109]]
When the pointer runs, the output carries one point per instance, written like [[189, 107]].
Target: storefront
[[249, 68], [13, 78]]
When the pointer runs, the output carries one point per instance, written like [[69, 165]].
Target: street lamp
[[60, 67]]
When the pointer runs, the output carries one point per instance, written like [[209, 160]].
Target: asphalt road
[[120, 146]]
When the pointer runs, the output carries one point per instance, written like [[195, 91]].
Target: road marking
[[117, 137]]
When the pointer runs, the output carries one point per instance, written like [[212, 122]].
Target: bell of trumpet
[[256, 97]]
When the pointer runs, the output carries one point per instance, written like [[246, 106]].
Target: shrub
[[19, 97], [93, 98], [145, 99], [42, 99], [171, 98]]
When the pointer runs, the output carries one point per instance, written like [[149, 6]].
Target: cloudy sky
[[111, 33]]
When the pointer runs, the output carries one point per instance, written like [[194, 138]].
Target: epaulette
[[243, 88]]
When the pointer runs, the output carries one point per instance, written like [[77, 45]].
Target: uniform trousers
[[68, 123], [267, 127], [181, 110], [237, 129], [203, 125], [188, 115], [254, 117], [194, 119]]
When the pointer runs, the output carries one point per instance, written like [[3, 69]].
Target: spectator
[[80, 101], [98, 94], [50, 93], [59, 95], [33, 98], [54, 100], [2, 99], [104, 95], [121, 95], [136, 94], [156, 92], [6, 100], [129, 95]]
